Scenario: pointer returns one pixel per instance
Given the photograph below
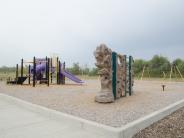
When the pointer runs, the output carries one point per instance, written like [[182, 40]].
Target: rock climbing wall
[[115, 75]]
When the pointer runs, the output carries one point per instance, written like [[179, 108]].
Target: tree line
[[158, 66], [78, 70], [75, 69]]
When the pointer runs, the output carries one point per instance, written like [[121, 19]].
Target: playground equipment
[[175, 69], [143, 72], [43, 70], [174, 72], [116, 74]]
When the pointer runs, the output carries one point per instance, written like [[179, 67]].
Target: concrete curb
[[104, 131], [134, 127]]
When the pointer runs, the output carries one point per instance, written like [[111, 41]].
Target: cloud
[[73, 28]]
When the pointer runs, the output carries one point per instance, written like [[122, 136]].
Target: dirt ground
[[78, 100], [169, 127]]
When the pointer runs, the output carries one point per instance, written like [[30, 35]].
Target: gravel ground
[[78, 100], [169, 127]]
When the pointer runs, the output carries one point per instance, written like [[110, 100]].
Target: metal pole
[[34, 71], [17, 72], [63, 76], [48, 72], [57, 70], [130, 75], [46, 64], [163, 87], [59, 74], [29, 81], [51, 70], [114, 73], [22, 69]]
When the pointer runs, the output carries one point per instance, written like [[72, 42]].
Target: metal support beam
[[22, 69], [29, 77], [51, 67], [48, 71], [57, 71], [34, 72], [17, 72]]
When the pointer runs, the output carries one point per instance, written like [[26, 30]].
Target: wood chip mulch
[[169, 127]]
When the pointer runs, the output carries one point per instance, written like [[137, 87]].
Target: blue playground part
[[71, 77], [41, 69]]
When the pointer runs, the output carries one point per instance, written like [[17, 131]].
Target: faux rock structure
[[103, 57]]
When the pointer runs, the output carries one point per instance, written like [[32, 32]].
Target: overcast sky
[[73, 28]]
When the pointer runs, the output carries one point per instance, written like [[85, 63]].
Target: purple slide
[[71, 77]]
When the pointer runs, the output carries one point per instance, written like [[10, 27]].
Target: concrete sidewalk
[[20, 119], [17, 122]]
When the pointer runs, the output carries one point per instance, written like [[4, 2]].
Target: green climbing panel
[[130, 75], [114, 72]]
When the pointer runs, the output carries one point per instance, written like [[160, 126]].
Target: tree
[[139, 65], [177, 62], [75, 69], [158, 65], [86, 70], [93, 72], [180, 64]]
